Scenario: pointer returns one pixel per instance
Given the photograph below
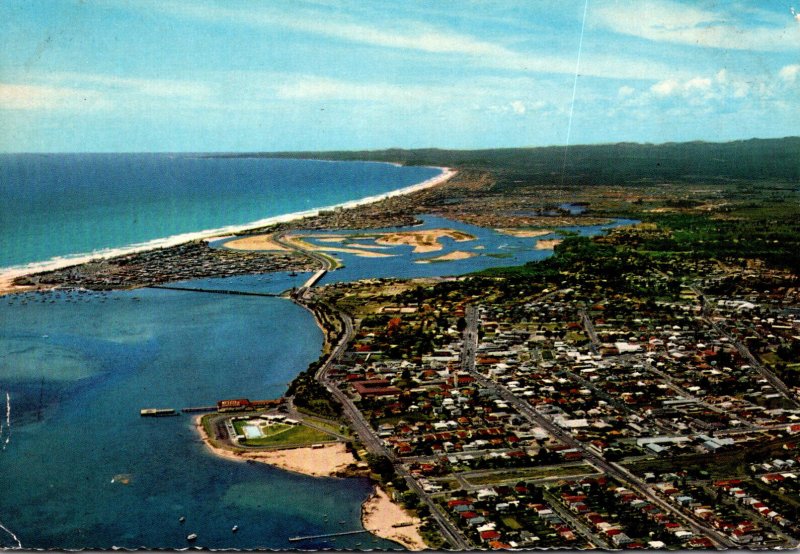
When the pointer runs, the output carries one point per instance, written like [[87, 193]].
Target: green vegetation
[[310, 395], [604, 164], [279, 434]]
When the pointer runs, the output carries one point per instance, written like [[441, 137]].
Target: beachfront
[[379, 514], [71, 270]]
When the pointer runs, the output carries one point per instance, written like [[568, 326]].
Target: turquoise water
[[490, 249], [94, 360], [57, 205]]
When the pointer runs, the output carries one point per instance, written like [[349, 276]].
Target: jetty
[[157, 412], [327, 535]]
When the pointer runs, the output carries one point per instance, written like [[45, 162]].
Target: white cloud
[[159, 88], [316, 88], [625, 91], [518, 107], [669, 21], [789, 73], [36, 97], [666, 87], [430, 39]]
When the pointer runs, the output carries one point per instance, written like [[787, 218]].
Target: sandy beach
[[525, 233], [379, 515], [328, 461], [256, 242], [9, 273], [455, 255]]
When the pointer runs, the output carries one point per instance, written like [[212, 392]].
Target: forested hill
[[755, 159]]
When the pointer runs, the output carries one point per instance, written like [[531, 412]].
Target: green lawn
[[280, 434]]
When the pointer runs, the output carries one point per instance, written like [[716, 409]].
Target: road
[[770, 377], [610, 468], [708, 314], [591, 332], [358, 423]]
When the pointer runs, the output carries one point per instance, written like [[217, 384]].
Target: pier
[[327, 535]]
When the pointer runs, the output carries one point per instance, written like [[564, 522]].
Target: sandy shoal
[[256, 242], [423, 241], [548, 244], [327, 461], [379, 514], [524, 233], [455, 255], [297, 240]]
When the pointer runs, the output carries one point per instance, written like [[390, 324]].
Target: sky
[[229, 76]]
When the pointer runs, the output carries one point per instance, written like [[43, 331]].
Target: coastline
[[379, 514], [8, 274], [332, 460]]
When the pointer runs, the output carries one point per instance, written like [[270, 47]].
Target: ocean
[[79, 468], [67, 205], [76, 367]]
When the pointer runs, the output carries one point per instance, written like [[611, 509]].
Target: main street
[[610, 468]]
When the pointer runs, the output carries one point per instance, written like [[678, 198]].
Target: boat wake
[[5, 429], [12, 535]]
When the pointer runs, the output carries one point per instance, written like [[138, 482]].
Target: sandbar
[[548, 244], [423, 241], [525, 233], [379, 515], [455, 255], [298, 241], [256, 242]]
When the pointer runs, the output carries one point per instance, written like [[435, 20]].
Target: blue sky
[[128, 75]]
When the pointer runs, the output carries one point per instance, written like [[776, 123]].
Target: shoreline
[[332, 460], [8, 274], [379, 514]]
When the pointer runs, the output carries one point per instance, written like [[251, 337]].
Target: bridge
[[213, 291]]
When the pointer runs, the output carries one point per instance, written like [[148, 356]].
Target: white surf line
[[574, 90], [13, 536], [8, 274]]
